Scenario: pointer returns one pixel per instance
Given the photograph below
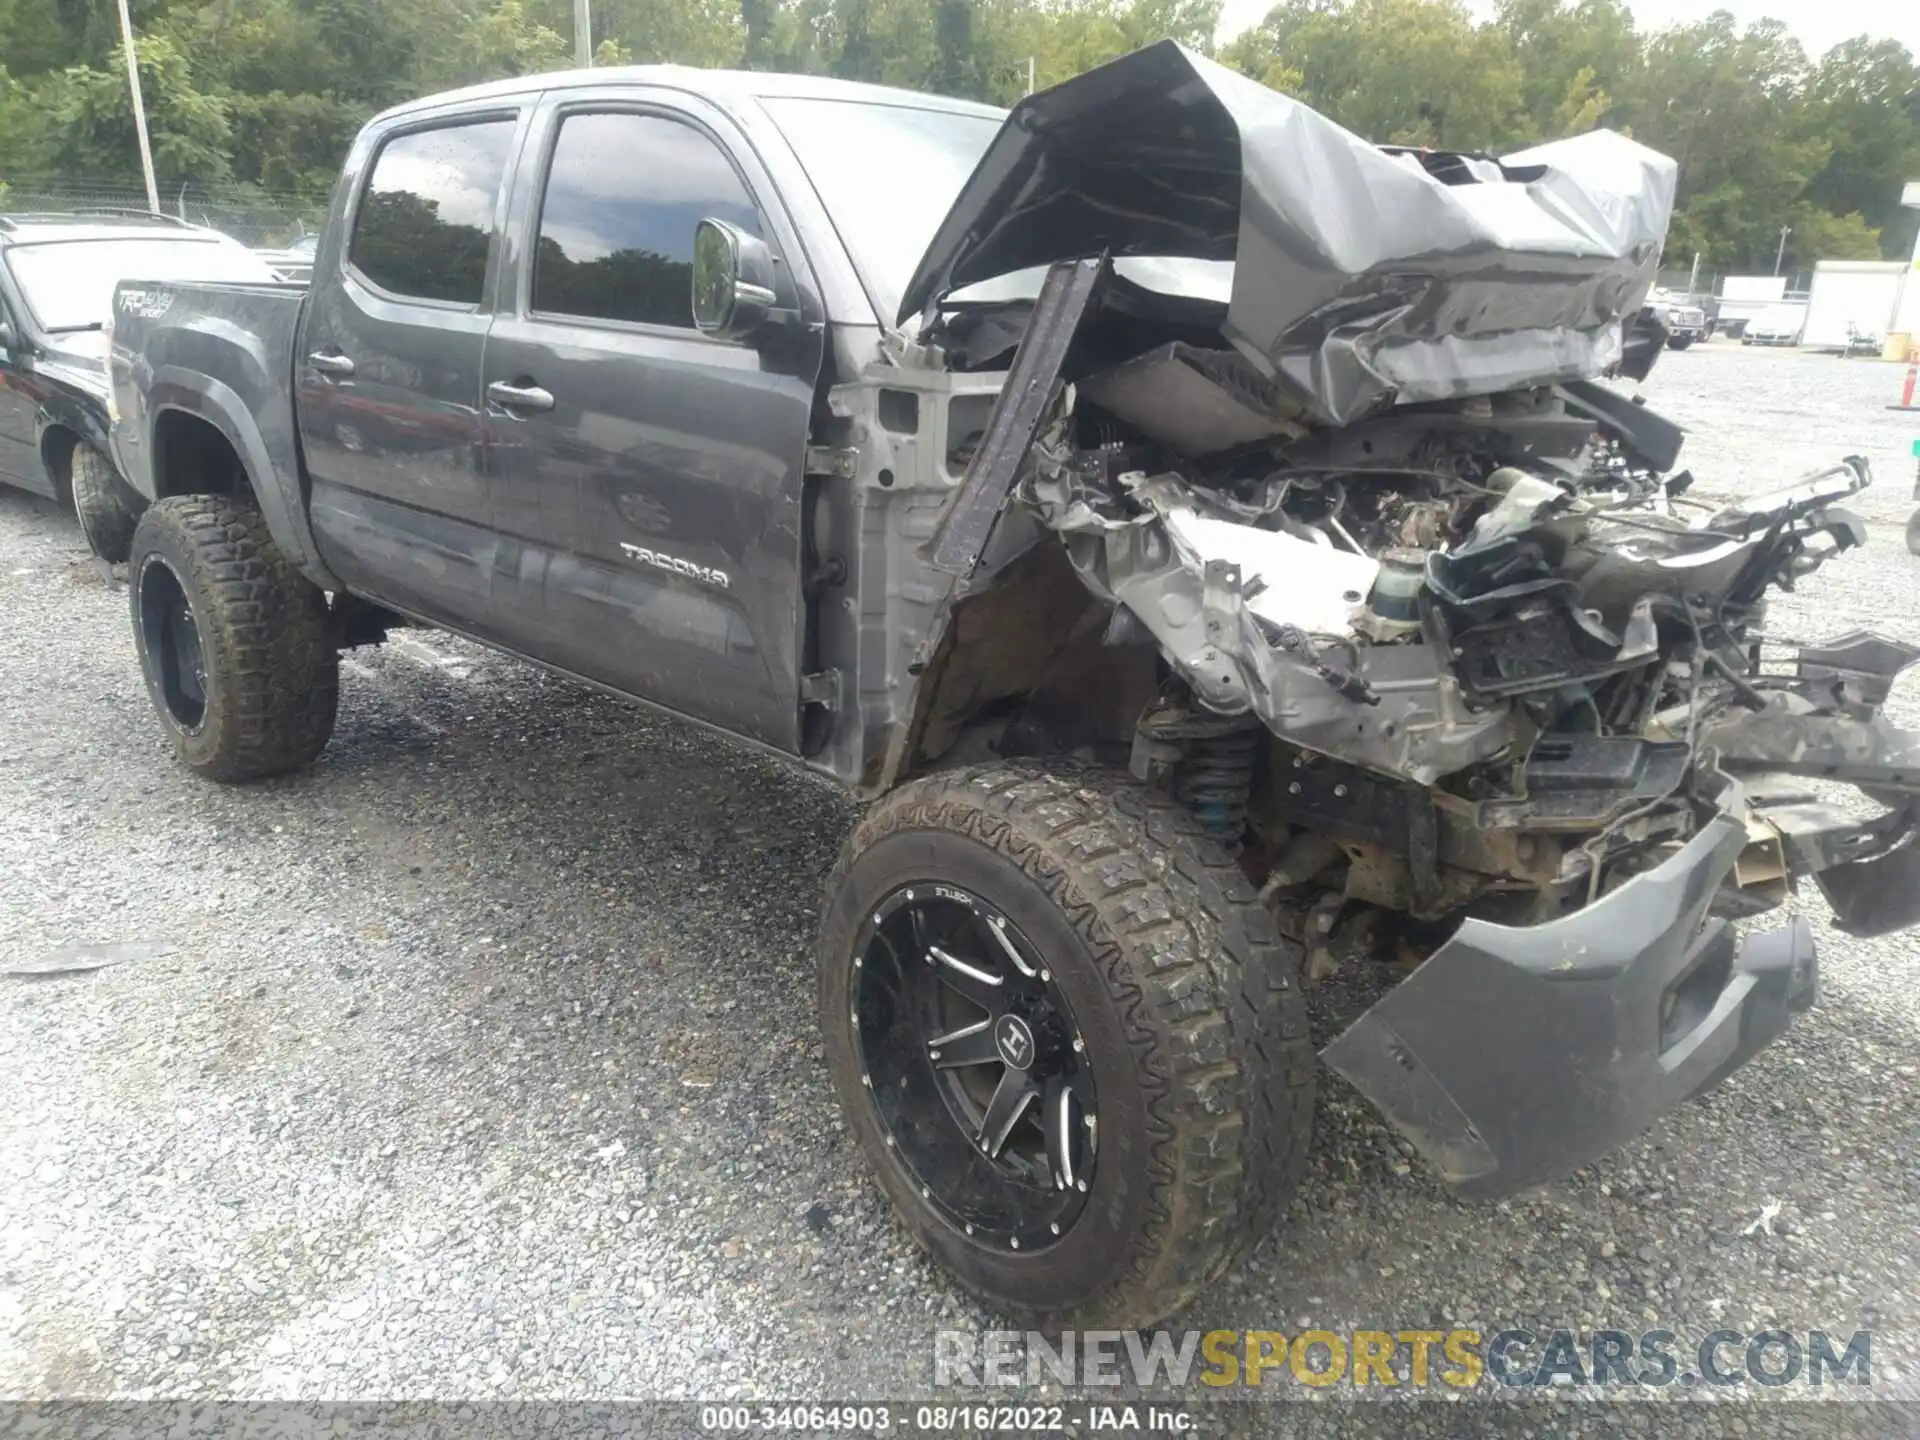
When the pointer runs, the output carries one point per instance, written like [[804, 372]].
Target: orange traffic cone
[[1907, 389]]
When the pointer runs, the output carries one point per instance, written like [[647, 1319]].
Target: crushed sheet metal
[[1512, 1056], [1287, 580], [1177, 567], [1361, 279]]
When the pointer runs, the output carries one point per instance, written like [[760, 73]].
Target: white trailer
[[1851, 295]]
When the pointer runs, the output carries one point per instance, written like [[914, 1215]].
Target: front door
[[647, 478], [19, 460], [388, 370]]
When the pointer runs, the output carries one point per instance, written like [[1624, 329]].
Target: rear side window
[[427, 214], [623, 195]]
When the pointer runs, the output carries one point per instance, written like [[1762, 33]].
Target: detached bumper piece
[[1514, 1056]]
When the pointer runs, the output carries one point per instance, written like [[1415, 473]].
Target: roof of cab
[[727, 87]]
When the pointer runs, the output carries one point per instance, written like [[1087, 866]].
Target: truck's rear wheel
[[1068, 1036], [108, 510], [238, 647]]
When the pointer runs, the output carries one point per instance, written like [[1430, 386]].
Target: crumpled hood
[[1360, 278]]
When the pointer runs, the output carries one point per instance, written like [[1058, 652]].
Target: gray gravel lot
[[481, 1060]]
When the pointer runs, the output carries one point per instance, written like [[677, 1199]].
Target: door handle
[[328, 363], [519, 397]]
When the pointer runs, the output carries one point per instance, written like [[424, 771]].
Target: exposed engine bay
[[1489, 634], [1440, 641], [1445, 629]]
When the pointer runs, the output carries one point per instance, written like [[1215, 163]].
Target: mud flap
[[1515, 1055]]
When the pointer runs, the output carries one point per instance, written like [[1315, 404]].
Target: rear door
[[647, 478], [388, 366]]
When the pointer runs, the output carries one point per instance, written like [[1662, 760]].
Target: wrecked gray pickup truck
[[1221, 560]]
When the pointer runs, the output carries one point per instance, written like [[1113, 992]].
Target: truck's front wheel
[[238, 647], [1068, 1036]]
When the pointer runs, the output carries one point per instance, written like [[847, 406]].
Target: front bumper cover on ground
[[1515, 1055]]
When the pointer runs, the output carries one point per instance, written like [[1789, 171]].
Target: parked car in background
[[1686, 322], [57, 274], [1779, 326]]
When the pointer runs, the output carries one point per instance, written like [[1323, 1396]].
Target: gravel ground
[[480, 1061]]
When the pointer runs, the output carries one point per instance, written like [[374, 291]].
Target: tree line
[[266, 94]]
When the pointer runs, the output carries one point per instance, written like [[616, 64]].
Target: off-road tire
[[1913, 533], [1680, 342], [1186, 993], [107, 509], [266, 634]]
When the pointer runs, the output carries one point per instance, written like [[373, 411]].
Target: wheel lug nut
[[969, 1229], [1046, 977], [1080, 1185], [1016, 1242], [1055, 1227], [1079, 1045]]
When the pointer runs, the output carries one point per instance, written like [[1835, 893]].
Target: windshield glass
[[887, 174], [69, 283]]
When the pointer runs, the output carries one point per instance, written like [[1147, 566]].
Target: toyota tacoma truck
[[1224, 553]]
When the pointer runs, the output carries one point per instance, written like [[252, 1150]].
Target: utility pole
[[1693, 277], [582, 32], [140, 107], [1779, 255], [1030, 83]]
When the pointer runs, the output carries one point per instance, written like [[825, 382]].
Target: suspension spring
[[1215, 780]]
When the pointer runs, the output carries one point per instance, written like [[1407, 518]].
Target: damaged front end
[[1448, 652]]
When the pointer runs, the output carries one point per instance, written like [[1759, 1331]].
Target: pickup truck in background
[[1205, 604]]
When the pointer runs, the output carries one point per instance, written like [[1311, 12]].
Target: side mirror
[[733, 281]]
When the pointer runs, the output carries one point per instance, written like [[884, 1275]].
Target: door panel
[[650, 519], [389, 375], [19, 459], [656, 509]]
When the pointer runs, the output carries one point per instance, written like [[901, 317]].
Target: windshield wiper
[[76, 329]]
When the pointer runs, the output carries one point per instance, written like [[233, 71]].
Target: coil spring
[[1215, 781]]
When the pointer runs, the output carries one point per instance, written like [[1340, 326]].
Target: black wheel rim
[[975, 1067], [170, 646]]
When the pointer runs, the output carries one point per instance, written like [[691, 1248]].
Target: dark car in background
[[57, 274]]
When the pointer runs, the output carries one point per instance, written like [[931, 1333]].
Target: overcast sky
[[1819, 24]]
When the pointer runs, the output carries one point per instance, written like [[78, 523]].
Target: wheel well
[[1031, 654], [56, 453], [192, 456]]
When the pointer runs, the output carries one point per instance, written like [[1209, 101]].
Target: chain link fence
[[254, 217]]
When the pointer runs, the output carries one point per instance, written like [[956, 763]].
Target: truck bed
[[222, 352]]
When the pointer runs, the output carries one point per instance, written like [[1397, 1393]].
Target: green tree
[[1413, 72]]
